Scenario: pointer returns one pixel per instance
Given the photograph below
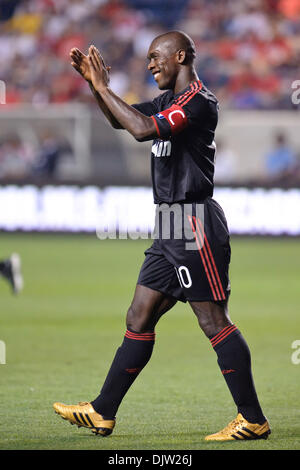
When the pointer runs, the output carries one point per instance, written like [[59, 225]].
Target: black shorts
[[197, 274]]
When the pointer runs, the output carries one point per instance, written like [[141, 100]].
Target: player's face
[[163, 64]]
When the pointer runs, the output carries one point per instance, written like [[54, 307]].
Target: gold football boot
[[84, 415], [240, 429]]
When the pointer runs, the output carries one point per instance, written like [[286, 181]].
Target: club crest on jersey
[[161, 148], [160, 116]]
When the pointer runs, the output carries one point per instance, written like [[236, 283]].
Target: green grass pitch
[[61, 334]]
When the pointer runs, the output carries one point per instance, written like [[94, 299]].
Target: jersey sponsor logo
[[161, 148], [160, 116]]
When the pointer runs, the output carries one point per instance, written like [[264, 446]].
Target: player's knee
[[210, 327], [212, 317], [131, 318], [137, 319]]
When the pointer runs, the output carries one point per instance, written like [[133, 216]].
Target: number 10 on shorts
[[184, 276]]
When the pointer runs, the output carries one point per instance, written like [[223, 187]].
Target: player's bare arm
[[81, 64], [140, 126]]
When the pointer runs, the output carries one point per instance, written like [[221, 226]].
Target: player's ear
[[181, 56]]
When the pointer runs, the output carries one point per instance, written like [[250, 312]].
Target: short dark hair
[[181, 41]]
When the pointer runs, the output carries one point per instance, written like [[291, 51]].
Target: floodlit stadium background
[[64, 169], [61, 165]]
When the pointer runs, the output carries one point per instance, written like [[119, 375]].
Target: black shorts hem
[[162, 291], [207, 299]]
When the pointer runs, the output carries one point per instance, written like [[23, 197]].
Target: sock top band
[[219, 337], [140, 336]]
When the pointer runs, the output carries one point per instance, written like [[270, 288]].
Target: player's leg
[[205, 280], [233, 356], [235, 363], [212, 316], [10, 269], [147, 308], [132, 356]]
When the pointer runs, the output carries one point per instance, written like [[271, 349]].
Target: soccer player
[[181, 122], [10, 269]]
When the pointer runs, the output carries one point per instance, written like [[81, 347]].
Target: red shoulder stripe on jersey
[[157, 128], [186, 94], [188, 98], [194, 88], [190, 89]]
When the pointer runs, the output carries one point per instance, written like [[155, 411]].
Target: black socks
[[130, 359], [235, 364], [134, 353]]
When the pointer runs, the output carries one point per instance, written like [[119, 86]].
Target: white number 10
[[184, 277]]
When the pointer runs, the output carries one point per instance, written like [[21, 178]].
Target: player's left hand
[[99, 71]]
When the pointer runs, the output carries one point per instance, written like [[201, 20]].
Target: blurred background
[[53, 136], [64, 170]]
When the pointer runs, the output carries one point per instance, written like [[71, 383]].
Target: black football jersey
[[183, 157]]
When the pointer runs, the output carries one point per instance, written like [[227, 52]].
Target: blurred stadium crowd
[[248, 52]]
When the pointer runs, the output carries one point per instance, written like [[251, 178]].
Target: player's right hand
[[80, 63]]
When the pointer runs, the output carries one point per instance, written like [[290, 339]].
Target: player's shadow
[[118, 437]]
